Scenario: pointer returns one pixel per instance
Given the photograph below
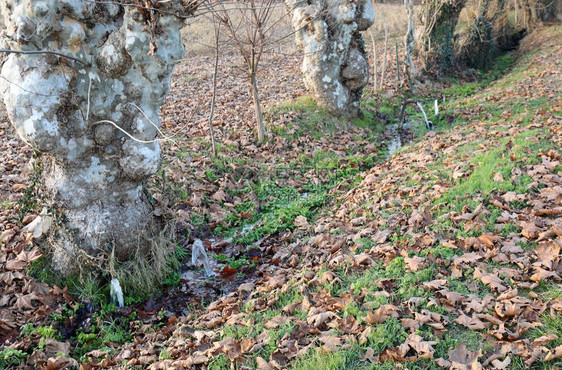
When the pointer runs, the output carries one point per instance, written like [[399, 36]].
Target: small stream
[[397, 137]]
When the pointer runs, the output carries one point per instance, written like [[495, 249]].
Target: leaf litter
[[427, 267]]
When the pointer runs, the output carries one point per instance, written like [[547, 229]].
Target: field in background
[[198, 34]]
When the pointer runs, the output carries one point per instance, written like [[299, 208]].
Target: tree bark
[[335, 66], [436, 36], [93, 172]]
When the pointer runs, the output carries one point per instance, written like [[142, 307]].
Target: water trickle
[[395, 142], [199, 254], [116, 293], [428, 123]]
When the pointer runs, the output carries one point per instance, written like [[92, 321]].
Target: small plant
[[234, 262], [10, 357], [387, 335]]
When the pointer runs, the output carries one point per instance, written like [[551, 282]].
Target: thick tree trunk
[[63, 108], [335, 66], [436, 35]]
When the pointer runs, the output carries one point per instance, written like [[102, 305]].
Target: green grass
[[280, 205], [497, 159], [316, 121]]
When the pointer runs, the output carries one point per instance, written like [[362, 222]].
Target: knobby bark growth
[[438, 20], [96, 122], [335, 67]]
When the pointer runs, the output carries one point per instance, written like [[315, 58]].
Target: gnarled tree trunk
[[335, 66], [68, 109], [436, 35]]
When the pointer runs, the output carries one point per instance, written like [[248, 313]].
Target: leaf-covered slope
[[446, 255]]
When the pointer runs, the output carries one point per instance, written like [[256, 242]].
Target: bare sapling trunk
[[214, 98], [251, 33], [383, 71], [257, 106], [375, 61], [335, 67], [93, 114]]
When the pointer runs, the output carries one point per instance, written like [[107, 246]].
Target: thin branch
[[31, 52], [24, 89]]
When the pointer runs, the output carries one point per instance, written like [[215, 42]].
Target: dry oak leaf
[[461, 358], [435, 284], [60, 362], [301, 222], [381, 314], [529, 230], [501, 365], [15, 265], [477, 305], [473, 323], [320, 318], [363, 259], [452, 298], [498, 177], [466, 258], [458, 174], [553, 355], [263, 364], [276, 322], [219, 196], [512, 196], [415, 263], [542, 274], [26, 300], [347, 326], [545, 339], [547, 253], [551, 194], [489, 279], [488, 240], [423, 348]]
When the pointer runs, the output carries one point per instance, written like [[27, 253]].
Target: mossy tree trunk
[[436, 38]]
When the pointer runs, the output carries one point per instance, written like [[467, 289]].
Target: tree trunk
[[70, 111], [257, 106], [335, 66], [436, 38]]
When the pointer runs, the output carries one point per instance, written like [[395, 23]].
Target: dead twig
[[33, 52]]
